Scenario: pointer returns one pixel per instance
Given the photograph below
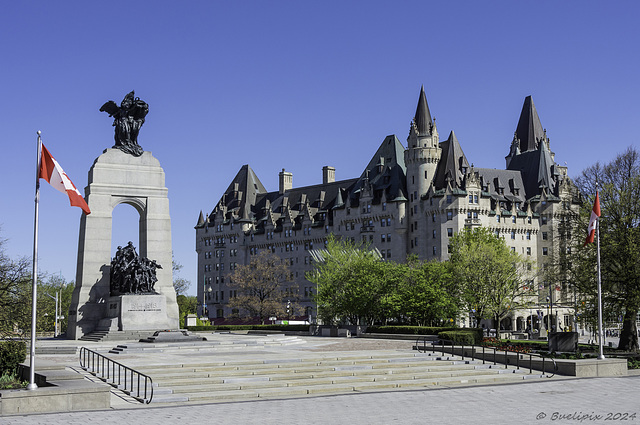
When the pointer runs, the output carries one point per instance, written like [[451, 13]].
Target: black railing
[[136, 384], [421, 345]]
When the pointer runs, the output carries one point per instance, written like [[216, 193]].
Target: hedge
[[409, 330], [296, 328], [12, 353], [468, 336]]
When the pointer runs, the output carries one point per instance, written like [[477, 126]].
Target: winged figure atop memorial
[[127, 119]]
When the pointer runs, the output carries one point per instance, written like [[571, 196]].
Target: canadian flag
[[595, 213], [53, 173]]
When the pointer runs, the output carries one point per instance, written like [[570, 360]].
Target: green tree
[[351, 281], [186, 305], [48, 287], [423, 293], [487, 273], [264, 286], [619, 189]]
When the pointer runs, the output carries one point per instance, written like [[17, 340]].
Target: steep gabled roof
[[386, 171], [242, 192], [509, 180], [529, 130], [452, 164]]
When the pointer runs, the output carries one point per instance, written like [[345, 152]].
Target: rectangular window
[[434, 234], [449, 199], [388, 253], [544, 219], [498, 218], [388, 237], [435, 251], [529, 220], [449, 215], [475, 214], [528, 250], [384, 206], [544, 236], [513, 219], [449, 232], [513, 234], [388, 222], [545, 250], [475, 199], [382, 223], [383, 238], [528, 235], [471, 199]]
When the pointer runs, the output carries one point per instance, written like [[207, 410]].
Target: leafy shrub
[[409, 330], [9, 382], [633, 363], [12, 353], [506, 345], [469, 336]]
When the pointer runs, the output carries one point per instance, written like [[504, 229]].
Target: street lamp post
[[55, 332]]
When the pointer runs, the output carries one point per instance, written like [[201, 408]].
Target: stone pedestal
[[140, 312], [119, 178]]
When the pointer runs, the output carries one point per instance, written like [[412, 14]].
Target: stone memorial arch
[[124, 174]]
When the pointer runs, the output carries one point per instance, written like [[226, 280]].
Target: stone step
[[310, 365], [222, 394]]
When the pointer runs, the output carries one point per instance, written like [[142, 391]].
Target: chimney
[[328, 174], [285, 181]]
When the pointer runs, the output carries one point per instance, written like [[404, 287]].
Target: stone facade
[[408, 200], [116, 178]]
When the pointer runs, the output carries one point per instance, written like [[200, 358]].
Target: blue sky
[[295, 85]]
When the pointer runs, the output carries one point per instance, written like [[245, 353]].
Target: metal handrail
[[506, 362], [117, 375]]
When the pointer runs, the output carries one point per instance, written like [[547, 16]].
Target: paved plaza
[[577, 400], [538, 401]]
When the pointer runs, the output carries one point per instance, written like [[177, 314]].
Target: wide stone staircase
[[209, 374]]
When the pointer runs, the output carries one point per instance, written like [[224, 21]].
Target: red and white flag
[[53, 173], [595, 213]]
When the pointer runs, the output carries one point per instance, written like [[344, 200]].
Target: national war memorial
[[134, 290]]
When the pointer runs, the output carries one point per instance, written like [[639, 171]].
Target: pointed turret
[[529, 130], [453, 164], [200, 220], [422, 119], [423, 150], [545, 179]]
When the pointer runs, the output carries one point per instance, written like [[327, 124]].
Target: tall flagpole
[[600, 330], [34, 293]]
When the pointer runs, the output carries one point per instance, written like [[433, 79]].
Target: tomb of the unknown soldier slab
[[134, 290]]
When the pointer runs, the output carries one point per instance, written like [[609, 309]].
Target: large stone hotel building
[[408, 200]]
